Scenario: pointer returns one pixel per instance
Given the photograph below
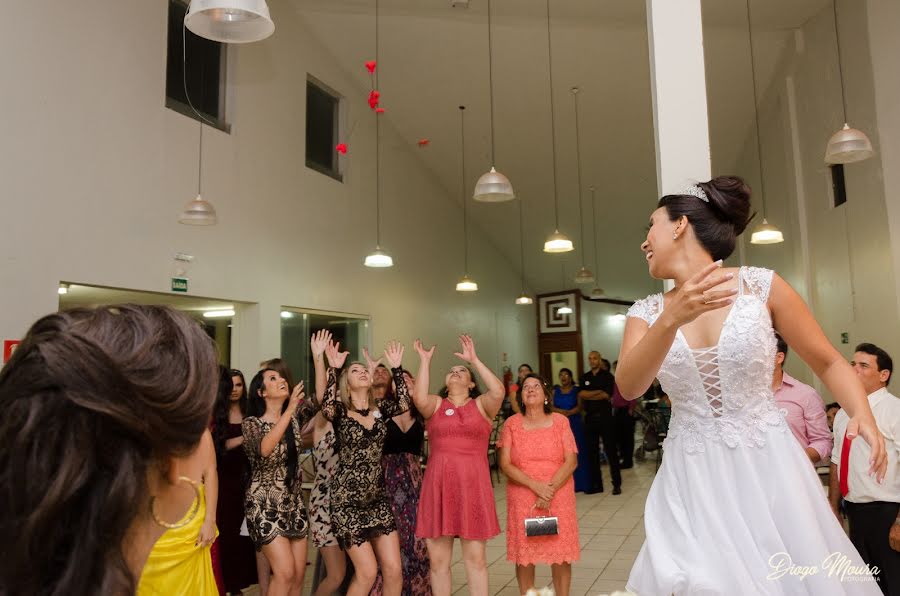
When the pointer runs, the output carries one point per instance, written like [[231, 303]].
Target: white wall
[[839, 259], [95, 170]]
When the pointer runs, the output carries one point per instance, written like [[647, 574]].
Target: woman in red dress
[[457, 497]]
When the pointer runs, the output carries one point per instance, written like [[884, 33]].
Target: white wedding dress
[[736, 500]]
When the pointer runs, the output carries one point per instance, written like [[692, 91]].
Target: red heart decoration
[[373, 98], [370, 66], [341, 148], [379, 110], [423, 142]]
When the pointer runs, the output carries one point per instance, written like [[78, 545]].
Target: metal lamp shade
[[558, 243], [766, 233], [198, 212], [848, 145], [493, 187], [379, 259], [584, 276], [598, 293], [524, 298], [230, 21], [466, 284]]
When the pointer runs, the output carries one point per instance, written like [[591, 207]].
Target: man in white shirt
[[873, 509]]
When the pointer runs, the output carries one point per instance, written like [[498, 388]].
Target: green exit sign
[[179, 284]]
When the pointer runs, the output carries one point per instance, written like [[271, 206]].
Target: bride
[[735, 508]]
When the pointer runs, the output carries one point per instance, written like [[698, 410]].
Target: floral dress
[[360, 509], [319, 498], [273, 509]]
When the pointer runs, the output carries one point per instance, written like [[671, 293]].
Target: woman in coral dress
[[457, 497], [538, 454]]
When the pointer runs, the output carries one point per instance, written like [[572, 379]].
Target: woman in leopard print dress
[[360, 511]]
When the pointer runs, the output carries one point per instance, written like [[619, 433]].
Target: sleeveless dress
[[360, 509], [236, 552], [326, 459], [457, 497], [567, 401], [176, 565], [736, 502], [539, 453]]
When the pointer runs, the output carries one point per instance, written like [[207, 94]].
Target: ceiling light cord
[[762, 178], [491, 80], [578, 170], [552, 118], [462, 186]]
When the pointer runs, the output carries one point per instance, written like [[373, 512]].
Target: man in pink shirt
[[805, 409]]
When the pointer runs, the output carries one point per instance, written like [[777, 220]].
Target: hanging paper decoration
[[379, 110], [373, 98], [341, 148], [423, 142], [370, 66]]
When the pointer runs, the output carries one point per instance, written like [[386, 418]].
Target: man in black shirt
[[596, 391]]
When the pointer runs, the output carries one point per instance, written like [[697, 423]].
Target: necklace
[[363, 413]]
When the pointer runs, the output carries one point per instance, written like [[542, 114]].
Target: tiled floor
[[611, 530]]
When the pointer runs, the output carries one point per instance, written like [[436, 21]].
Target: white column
[[678, 76]]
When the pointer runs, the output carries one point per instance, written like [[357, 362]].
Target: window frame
[[336, 173]]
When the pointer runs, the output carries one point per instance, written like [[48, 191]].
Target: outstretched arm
[[401, 402], [792, 319], [317, 343], [491, 400], [272, 438], [426, 403], [207, 533], [332, 408]]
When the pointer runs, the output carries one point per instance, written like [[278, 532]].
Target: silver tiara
[[696, 191]]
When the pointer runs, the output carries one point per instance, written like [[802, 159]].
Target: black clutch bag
[[542, 526]]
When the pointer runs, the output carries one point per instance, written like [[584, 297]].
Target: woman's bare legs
[[335, 568], [264, 573], [387, 550], [562, 578], [281, 558], [298, 553], [475, 560], [440, 554], [365, 567], [525, 577]]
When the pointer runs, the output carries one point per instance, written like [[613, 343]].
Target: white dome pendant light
[[199, 212], [848, 145], [764, 233], [557, 242], [230, 21], [466, 284], [492, 187]]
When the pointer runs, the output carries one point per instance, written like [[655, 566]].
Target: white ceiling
[[434, 57]]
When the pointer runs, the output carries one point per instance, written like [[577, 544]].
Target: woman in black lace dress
[[276, 517], [360, 511]]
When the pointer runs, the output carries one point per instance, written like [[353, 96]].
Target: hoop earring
[[191, 514]]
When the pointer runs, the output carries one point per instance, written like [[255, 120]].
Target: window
[[205, 75], [322, 129], [838, 190]]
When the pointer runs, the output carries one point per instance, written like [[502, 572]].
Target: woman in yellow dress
[[180, 562]]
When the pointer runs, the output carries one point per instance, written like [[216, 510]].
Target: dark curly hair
[[548, 398], [92, 400]]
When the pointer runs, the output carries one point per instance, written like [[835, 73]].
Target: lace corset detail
[[723, 393]]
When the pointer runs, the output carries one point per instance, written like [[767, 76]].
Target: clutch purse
[[542, 526]]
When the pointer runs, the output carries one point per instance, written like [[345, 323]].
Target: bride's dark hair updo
[[716, 223]]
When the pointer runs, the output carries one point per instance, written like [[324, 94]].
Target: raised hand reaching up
[[336, 358], [319, 341], [393, 353], [370, 364], [468, 350], [424, 354]]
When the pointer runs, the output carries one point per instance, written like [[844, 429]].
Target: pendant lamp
[[764, 233], [378, 258], [583, 275], [199, 212], [848, 145], [492, 187], [557, 241], [466, 284], [230, 21], [522, 298]]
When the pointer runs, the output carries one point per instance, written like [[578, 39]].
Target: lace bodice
[[723, 393]]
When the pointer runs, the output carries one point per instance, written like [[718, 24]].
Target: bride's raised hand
[[868, 430], [698, 295]]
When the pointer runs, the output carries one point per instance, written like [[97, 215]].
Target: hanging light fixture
[[466, 284], [848, 145], [230, 21], [764, 233], [556, 242], [583, 275], [522, 298], [199, 212], [492, 187], [378, 258], [565, 309], [597, 292]]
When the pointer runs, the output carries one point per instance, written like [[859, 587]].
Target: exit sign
[[179, 284]]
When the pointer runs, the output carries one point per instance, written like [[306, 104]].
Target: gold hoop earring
[[191, 514]]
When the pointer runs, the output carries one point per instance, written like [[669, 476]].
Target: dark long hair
[[474, 391], [220, 412], [92, 400], [257, 407]]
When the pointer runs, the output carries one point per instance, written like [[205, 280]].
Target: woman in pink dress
[[538, 454], [457, 498]]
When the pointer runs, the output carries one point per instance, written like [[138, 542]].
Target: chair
[[493, 455]]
